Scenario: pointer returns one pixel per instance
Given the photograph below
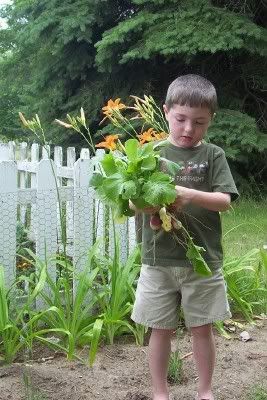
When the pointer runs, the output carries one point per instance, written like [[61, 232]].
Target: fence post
[[46, 151], [46, 216], [85, 153], [23, 179], [100, 209], [12, 150], [61, 218], [71, 158], [33, 185], [8, 213], [4, 152], [121, 232], [131, 234], [83, 208]]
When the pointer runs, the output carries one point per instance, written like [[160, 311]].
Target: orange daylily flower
[[113, 106], [150, 135], [147, 136], [161, 135], [109, 142]]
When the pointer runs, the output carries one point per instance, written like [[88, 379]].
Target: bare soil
[[121, 372]]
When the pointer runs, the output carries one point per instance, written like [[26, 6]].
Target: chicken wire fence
[[49, 208]]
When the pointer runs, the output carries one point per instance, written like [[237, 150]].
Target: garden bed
[[121, 373]]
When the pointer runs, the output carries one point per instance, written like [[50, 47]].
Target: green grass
[[244, 227], [175, 369], [257, 393], [245, 271]]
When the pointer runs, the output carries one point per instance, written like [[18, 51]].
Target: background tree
[[60, 56]]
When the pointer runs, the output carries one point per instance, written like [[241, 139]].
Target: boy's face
[[188, 125]]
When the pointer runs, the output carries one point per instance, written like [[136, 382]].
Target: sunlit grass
[[244, 227], [245, 231]]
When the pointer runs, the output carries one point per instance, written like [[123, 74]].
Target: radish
[[155, 222], [166, 219]]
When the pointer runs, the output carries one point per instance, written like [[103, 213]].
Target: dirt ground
[[121, 372]]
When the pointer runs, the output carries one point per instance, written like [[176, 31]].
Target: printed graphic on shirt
[[190, 171]]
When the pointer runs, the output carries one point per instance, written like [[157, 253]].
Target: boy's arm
[[214, 201]]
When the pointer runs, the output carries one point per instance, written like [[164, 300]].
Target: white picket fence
[[29, 194]]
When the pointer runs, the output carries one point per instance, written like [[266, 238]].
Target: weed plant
[[31, 393], [115, 295], [19, 325], [258, 393], [246, 279], [175, 369]]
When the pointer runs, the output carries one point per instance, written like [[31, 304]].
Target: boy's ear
[[165, 109]]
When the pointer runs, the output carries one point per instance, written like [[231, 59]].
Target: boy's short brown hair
[[193, 91]]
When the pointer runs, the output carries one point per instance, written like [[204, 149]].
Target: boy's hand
[[183, 197]]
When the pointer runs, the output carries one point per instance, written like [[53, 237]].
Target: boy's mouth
[[186, 138]]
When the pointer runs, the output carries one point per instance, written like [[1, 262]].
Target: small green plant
[[115, 295], [175, 370], [72, 315], [257, 392], [19, 326], [23, 268], [31, 393], [245, 277]]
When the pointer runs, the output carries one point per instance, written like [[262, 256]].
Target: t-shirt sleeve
[[222, 179]]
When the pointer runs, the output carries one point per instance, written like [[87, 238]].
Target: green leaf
[[132, 167], [122, 209], [131, 149], [146, 150], [128, 190], [141, 203], [96, 332], [121, 165], [172, 167], [149, 163], [109, 165], [96, 180], [263, 254], [113, 186], [161, 144], [194, 255], [159, 190], [4, 317]]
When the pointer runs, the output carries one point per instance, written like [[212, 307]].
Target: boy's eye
[[180, 120], [200, 123]]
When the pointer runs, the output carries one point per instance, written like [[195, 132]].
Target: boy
[[204, 187]]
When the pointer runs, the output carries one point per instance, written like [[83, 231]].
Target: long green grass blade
[[96, 332]]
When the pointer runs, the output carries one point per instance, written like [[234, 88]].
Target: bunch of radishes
[[165, 220]]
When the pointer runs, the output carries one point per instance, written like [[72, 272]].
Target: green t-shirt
[[202, 168]]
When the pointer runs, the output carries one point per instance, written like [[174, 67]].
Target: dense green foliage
[[57, 56]]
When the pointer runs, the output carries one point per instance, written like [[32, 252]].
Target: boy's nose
[[189, 127]]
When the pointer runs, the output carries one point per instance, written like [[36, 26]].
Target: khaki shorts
[[161, 291]]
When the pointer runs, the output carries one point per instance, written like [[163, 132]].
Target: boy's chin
[[185, 142]]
